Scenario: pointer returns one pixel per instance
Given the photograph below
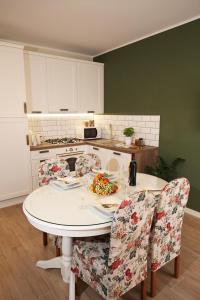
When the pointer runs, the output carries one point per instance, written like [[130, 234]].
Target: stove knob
[[70, 149], [66, 149]]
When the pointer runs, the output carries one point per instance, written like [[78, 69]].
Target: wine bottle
[[132, 173]]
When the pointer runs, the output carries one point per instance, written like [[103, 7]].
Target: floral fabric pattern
[[114, 267], [165, 237], [85, 163], [52, 168], [96, 162]]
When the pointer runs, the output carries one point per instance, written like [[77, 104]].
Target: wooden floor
[[21, 247]]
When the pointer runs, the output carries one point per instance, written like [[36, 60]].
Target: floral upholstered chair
[[165, 237], [96, 162], [48, 170], [86, 162], [114, 267]]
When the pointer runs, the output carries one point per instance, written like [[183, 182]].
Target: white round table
[[64, 213]]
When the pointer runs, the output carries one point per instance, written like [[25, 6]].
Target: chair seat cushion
[[90, 261]]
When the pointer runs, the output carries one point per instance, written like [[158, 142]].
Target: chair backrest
[[165, 238], [50, 169], [127, 262], [85, 163], [96, 160]]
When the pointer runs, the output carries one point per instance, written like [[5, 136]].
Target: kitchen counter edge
[[96, 143]]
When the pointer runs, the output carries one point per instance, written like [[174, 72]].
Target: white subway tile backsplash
[[146, 118], [155, 118], [155, 130], [150, 137], [141, 124], [146, 127], [150, 124]]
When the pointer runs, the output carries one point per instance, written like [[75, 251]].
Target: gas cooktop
[[63, 141]]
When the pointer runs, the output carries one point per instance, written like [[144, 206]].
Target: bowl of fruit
[[102, 186]]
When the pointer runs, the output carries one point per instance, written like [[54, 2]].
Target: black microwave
[[89, 133]]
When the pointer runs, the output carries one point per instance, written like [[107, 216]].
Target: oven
[[71, 158]]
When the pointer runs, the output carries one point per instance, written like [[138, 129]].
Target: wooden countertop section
[[118, 146], [44, 146], [103, 143]]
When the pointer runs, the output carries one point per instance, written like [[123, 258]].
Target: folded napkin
[[64, 186], [101, 211]]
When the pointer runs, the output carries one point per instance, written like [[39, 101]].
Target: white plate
[[62, 185], [101, 211], [69, 180]]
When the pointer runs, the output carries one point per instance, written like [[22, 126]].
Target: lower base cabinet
[[14, 158], [111, 160]]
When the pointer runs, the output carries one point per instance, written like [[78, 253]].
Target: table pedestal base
[[61, 262], [54, 263]]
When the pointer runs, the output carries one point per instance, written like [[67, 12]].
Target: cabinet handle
[[27, 140], [25, 108], [64, 109], [42, 160], [91, 111], [36, 112], [44, 151], [116, 153], [95, 148]]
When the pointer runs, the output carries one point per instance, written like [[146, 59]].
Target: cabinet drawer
[[42, 154]]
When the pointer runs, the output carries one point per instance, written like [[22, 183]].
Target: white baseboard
[[192, 212], [13, 201]]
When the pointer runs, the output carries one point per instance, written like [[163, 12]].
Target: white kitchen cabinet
[[90, 87], [36, 83], [57, 84], [12, 81], [61, 85], [37, 157], [14, 158], [111, 160], [116, 161]]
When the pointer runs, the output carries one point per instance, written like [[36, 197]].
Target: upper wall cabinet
[[57, 84], [12, 82], [36, 84], [61, 85], [90, 87]]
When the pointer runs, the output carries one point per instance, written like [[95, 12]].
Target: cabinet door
[[12, 82], [36, 83], [100, 152], [90, 87], [14, 158], [117, 161], [61, 90]]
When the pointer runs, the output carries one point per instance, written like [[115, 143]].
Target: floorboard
[[21, 246]]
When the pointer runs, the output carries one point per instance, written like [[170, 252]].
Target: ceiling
[[90, 26]]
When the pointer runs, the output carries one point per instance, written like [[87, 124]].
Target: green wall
[[161, 75]]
